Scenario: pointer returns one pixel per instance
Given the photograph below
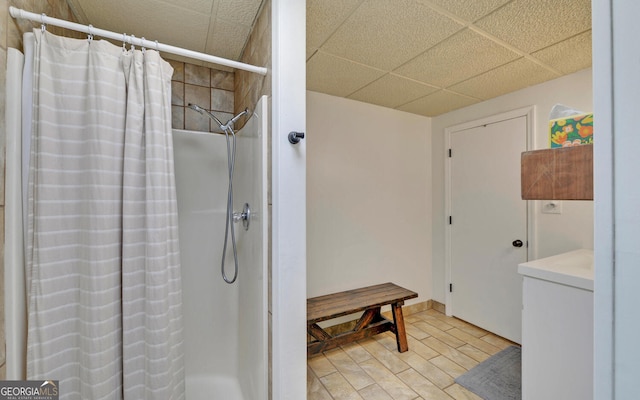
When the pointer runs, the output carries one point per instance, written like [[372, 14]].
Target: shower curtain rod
[[90, 30]]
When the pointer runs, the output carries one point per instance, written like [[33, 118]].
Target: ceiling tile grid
[[310, 52], [532, 25], [465, 9], [420, 56], [387, 33], [508, 78], [438, 103], [324, 17], [568, 56], [457, 58], [336, 76], [508, 45], [392, 91]]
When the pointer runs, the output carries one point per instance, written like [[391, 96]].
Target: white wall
[[368, 197], [571, 230]]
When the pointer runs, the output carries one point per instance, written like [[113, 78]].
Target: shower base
[[212, 388]]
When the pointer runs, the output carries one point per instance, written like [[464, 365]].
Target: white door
[[488, 223]]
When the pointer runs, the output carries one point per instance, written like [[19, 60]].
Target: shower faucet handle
[[294, 137]]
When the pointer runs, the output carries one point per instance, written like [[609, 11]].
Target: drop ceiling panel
[[392, 91], [324, 17], [336, 76], [238, 11], [374, 50], [468, 10], [505, 79], [149, 18], [462, 56], [438, 103], [568, 56], [227, 39], [387, 33], [310, 52], [199, 6], [533, 25]]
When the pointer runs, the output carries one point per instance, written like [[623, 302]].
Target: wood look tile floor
[[441, 348]]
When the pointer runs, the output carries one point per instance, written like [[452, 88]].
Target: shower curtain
[[103, 266]]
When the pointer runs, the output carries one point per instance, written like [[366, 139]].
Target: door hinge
[[450, 287], [450, 153], [450, 220]]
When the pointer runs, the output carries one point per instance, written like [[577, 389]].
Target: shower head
[[202, 111], [233, 120], [224, 127], [196, 108]]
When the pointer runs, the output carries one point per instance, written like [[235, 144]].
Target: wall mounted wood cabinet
[[558, 174]]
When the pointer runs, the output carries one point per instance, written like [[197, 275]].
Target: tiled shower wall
[[249, 87], [221, 92], [209, 88]]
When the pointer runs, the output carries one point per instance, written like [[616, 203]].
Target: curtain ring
[[144, 49], [43, 26], [131, 38], [124, 42], [157, 49], [90, 35]]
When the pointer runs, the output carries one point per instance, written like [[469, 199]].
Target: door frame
[[532, 251], [288, 305]]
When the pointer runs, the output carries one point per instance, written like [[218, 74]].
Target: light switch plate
[[551, 207]]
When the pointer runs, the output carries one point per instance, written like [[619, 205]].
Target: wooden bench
[[370, 300]]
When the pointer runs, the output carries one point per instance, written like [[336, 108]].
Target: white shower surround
[[225, 326], [14, 275]]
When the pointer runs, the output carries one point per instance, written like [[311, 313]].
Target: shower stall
[[225, 326]]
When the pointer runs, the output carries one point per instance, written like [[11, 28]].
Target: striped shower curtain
[[103, 266]]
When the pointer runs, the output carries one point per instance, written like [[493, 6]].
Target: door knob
[[517, 243]]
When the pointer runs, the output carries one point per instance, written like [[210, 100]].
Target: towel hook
[[43, 26]]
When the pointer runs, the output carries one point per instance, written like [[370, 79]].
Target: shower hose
[[231, 161]]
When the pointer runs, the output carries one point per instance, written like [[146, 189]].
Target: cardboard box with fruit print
[[571, 131]]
